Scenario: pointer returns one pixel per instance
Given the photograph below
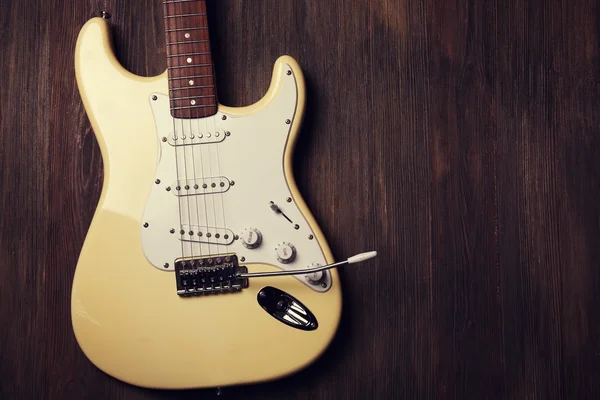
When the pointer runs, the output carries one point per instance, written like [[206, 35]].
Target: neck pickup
[[192, 89]]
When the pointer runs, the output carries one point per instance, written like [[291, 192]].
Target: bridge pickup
[[206, 234], [201, 186], [209, 275]]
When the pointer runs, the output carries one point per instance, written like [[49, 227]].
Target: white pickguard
[[246, 155]]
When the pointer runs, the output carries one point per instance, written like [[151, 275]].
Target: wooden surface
[[459, 139]]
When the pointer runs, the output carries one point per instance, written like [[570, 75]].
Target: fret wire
[[196, 106], [178, 1], [190, 54], [186, 15], [188, 42], [190, 77], [193, 97], [192, 87], [191, 66], [186, 29]]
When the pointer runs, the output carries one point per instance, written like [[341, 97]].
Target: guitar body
[[127, 315]]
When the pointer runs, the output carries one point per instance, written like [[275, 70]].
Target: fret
[[193, 87], [190, 66], [190, 77], [192, 97], [187, 42], [186, 15], [189, 54], [186, 29], [196, 106], [193, 91]]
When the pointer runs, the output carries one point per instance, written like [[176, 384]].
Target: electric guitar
[[203, 266]]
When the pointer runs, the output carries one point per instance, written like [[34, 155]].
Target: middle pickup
[[201, 186]]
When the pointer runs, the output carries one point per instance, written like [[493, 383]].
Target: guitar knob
[[315, 278], [286, 253], [251, 238]]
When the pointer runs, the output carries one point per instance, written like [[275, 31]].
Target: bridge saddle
[[209, 275]]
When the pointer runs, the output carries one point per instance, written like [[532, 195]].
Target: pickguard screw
[[157, 181], [289, 72], [236, 237], [310, 237], [287, 121], [172, 231], [232, 183], [166, 265], [289, 199], [146, 225], [154, 97], [168, 188], [296, 227], [224, 117], [164, 139], [243, 259], [227, 133]]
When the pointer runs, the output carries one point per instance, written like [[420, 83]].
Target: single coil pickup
[[201, 186], [206, 234], [209, 275], [191, 132]]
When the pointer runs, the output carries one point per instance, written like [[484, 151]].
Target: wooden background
[[460, 139]]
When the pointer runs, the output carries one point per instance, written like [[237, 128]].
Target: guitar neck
[[191, 74]]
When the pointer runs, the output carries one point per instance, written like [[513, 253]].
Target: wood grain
[[459, 139]]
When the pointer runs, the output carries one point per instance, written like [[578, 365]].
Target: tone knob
[[251, 238], [286, 253], [315, 278]]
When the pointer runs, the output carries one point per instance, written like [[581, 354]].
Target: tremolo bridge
[[209, 275]]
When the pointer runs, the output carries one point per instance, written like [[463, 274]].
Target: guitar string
[[179, 200], [218, 166], [194, 225], [211, 151], [203, 194], [183, 232]]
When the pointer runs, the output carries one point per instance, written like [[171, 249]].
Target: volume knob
[[251, 238], [286, 253]]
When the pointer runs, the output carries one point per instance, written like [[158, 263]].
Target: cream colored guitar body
[[127, 315]]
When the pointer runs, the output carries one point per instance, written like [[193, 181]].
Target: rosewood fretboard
[[191, 77]]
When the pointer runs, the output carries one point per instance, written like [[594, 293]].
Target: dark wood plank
[[460, 139]]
